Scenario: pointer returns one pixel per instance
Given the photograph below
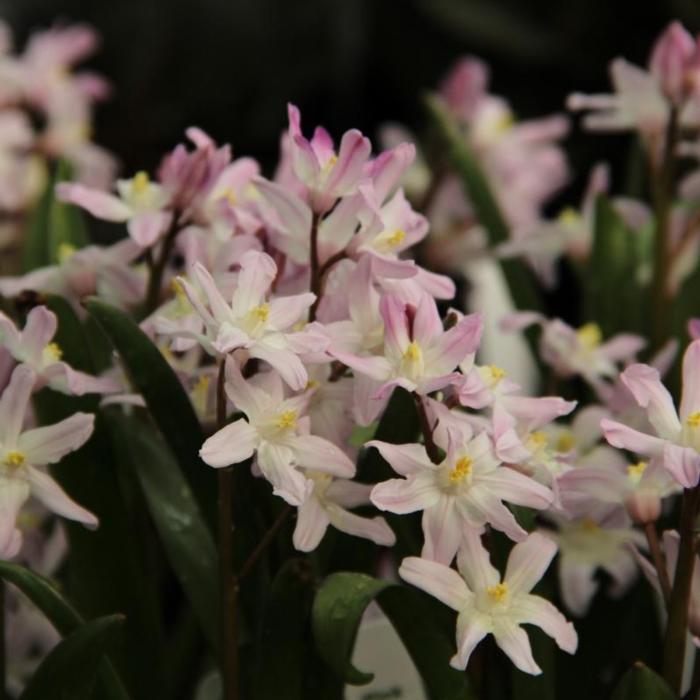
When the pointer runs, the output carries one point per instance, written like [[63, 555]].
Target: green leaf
[[41, 592], [165, 397], [70, 671], [279, 675], [617, 274], [52, 226], [188, 543], [476, 186], [66, 225], [641, 683], [338, 608]]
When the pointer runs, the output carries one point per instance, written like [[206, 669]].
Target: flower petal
[[13, 494], [312, 523], [514, 642], [275, 462], [13, 404], [313, 452], [528, 562], [690, 400], [404, 459], [619, 435], [514, 487], [470, 631], [683, 463], [49, 444], [374, 529], [232, 444], [46, 490], [473, 562], [438, 580], [417, 492], [442, 531], [100, 204]]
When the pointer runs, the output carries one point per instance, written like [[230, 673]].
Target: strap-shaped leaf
[[66, 225], [62, 615], [165, 397], [187, 541], [476, 186], [338, 608], [641, 683], [70, 671], [617, 273]]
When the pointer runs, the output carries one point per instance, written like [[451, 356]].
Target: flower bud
[[671, 62], [643, 506]]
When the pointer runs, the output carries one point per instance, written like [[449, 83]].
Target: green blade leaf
[[66, 225], [188, 543], [280, 669], [618, 269], [41, 592], [476, 186], [338, 607], [70, 671], [167, 401], [35, 250], [641, 683]]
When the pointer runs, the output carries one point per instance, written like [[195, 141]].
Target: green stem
[[158, 268], [658, 559], [663, 199], [3, 644], [430, 447], [228, 583], [265, 542], [679, 603], [316, 273]]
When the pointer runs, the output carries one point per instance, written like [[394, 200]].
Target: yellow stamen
[[566, 442], [590, 335], [538, 438], [569, 216], [140, 182], [496, 373], [15, 458], [589, 525], [65, 251], [412, 352], [262, 312], [396, 238], [177, 289], [635, 471], [287, 419], [54, 352], [462, 469], [693, 420], [498, 592]]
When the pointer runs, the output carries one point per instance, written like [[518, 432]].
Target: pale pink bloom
[[34, 347], [671, 542], [263, 328], [327, 504], [418, 354], [191, 176], [140, 203], [327, 175], [23, 453], [330, 406], [570, 351], [277, 433], [465, 86], [465, 490], [599, 541], [487, 604], [677, 434], [675, 63], [83, 272], [639, 487]]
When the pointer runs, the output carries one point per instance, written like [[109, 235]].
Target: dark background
[[230, 66]]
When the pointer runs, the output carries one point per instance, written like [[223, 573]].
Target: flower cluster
[[295, 309]]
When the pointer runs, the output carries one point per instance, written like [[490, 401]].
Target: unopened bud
[[644, 506], [671, 62]]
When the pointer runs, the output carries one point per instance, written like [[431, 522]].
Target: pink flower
[[465, 490], [487, 604], [418, 354], [327, 503], [23, 453], [84, 272], [677, 438], [600, 540], [142, 204], [250, 321], [34, 347], [675, 63], [277, 433], [327, 175]]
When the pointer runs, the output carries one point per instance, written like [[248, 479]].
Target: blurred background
[[229, 66]]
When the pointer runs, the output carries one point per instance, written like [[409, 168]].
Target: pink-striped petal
[[619, 435], [100, 204], [437, 580], [46, 490], [49, 444], [528, 562], [312, 523], [401, 496], [404, 459], [232, 444], [442, 531], [315, 453]]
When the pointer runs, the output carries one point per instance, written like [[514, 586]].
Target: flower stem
[[663, 252], [677, 627], [157, 269], [228, 583], [657, 557], [264, 543], [3, 644], [430, 447]]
